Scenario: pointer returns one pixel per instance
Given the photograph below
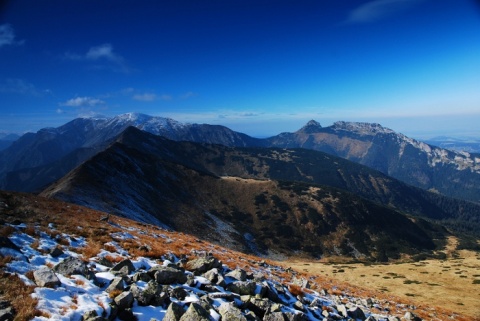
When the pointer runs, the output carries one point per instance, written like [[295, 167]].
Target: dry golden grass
[[4, 260], [114, 293], [7, 230], [78, 221], [30, 230], [91, 249], [296, 290], [436, 287], [19, 294], [114, 259]]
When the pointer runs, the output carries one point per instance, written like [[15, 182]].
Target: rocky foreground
[[191, 287], [64, 262]]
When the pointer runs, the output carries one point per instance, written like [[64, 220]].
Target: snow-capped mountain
[[39, 158], [35, 160], [455, 174]]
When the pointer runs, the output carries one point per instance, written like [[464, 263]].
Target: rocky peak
[[311, 127], [361, 128]]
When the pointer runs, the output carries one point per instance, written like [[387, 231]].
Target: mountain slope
[[428, 167], [231, 196], [42, 152]]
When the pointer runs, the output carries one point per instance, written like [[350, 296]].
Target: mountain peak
[[362, 128], [312, 126]]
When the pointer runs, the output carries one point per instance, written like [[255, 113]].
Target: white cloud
[[7, 36], [379, 9], [145, 97], [83, 102], [102, 54]]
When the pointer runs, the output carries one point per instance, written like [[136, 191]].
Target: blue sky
[[260, 67]]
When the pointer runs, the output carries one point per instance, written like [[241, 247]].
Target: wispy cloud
[[7, 36], [379, 9], [21, 87], [83, 102], [104, 56], [145, 97]]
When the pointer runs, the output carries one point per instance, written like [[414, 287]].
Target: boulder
[[7, 313], [237, 274], [116, 284], [356, 313], [229, 311], [174, 312], [45, 277], [56, 252], [178, 293], [8, 248], [195, 312], [203, 264], [71, 266], [242, 287], [119, 268], [124, 300], [275, 316], [168, 274]]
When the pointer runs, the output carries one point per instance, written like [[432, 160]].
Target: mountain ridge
[[222, 193], [428, 167]]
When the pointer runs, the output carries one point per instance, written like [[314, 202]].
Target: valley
[[453, 284]]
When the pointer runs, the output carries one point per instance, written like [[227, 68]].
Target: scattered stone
[[178, 293], [45, 277], [7, 312], [174, 312], [124, 300], [195, 312], [71, 266], [56, 252], [242, 287], [238, 274], [356, 313], [229, 311], [203, 264], [116, 284], [8, 248], [168, 274], [119, 267]]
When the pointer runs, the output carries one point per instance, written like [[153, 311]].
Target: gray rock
[[174, 312], [229, 311], [8, 248], [371, 318], [130, 268], [342, 310], [169, 275], [258, 306], [92, 316], [242, 287], [297, 305], [296, 316], [195, 312], [7, 314], [275, 316], [141, 276], [122, 272], [124, 300], [410, 316], [356, 313], [45, 277], [178, 293], [116, 284], [71, 266], [56, 252], [237, 274], [203, 264]]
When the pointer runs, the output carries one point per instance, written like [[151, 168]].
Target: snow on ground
[[77, 295]]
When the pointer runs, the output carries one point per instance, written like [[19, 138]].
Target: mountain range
[[274, 196], [35, 160]]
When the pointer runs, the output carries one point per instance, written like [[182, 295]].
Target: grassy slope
[[37, 213]]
